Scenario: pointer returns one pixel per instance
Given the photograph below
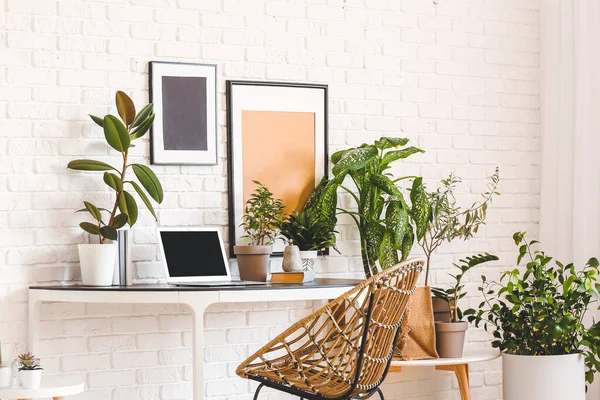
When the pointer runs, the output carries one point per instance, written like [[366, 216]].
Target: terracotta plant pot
[[450, 338], [441, 310], [253, 262]]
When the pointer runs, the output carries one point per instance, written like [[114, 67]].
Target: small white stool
[[460, 366], [50, 387]]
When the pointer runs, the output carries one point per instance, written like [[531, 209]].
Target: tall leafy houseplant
[[539, 311], [447, 221], [382, 215], [262, 220], [120, 133]]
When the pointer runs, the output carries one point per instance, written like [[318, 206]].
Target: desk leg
[[462, 375], [33, 323], [198, 307]]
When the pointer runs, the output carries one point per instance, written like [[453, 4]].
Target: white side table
[[460, 366], [55, 388]]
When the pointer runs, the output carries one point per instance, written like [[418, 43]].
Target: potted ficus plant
[[97, 260], [6, 376], [537, 316], [450, 334], [263, 216], [30, 371]]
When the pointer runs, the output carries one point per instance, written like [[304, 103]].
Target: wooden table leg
[[462, 375], [58, 398]]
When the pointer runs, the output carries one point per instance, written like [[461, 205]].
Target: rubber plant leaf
[[92, 209], [125, 107], [99, 121], [90, 165], [109, 232], [143, 128], [420, 207], [142, 115], [90, 228], [389, 142], [355, 159], [144, 198], [149, 181], [128, 206], [113, 181], [120, 221], [116, 134]]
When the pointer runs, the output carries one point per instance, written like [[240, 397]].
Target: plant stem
[[114, 210]]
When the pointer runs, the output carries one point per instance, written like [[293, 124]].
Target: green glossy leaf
[[90, 228], [385, 184], [392, 156], [149, 181], [373, 237], [144, 198], [92, 209], [407, 243], [99, 121], [388, 256], [143, 128], [116, 134], [420, 207], [125, 107], [113, 181], [120, 221], [142, 115], [108, 232], [337, 156], [355, 159], [90, 165], [389, 142], [128, 206]]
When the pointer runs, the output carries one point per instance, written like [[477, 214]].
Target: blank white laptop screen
[[194, 254]]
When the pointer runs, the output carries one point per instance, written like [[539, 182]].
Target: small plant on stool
[[30, 371]]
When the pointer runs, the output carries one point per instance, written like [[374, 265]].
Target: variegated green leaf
[[373, 235], [337, 156], [392, 156], [385, 184], [388, 256], [407, 243], [420, 207], [389, 142], [355, 159]]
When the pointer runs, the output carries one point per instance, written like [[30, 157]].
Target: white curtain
[[570, 131]]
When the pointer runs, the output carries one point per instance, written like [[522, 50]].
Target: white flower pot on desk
[[31, 379], [6, 377], [559, 377], [308, 258], [97, 263]]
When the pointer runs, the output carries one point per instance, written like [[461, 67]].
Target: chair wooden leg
[[258, 391], [462, 375], [58, 398]]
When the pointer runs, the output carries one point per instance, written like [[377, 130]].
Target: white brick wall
[[459, 78]]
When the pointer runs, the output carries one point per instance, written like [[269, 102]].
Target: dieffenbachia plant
[[119, 134], [383, 217]]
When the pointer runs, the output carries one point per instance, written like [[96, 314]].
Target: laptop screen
[[193, 253]]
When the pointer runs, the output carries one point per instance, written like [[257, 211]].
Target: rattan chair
[[343, 350]]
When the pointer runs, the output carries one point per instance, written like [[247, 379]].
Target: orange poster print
[[279, 151]]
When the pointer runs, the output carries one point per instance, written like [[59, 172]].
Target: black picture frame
[[159, 154], [231, 144]]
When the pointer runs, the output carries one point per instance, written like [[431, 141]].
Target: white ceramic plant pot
[[31, 379], [308, 258], [97, 263], [6, 377], [543, 377]]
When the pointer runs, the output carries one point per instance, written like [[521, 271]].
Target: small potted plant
[[5, 372], [311, 234], [537, 317], [98, 260], [30, 371], [450, 334], [261, 221]]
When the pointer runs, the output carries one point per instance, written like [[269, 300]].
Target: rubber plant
[[540, 310], [447, 221], [120, 135], [383, 217]]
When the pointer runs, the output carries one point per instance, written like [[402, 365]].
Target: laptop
[[196, 257]]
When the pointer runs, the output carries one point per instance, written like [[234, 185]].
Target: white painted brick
[[102, 379], [111, 343], [158, 340], [82, 363]]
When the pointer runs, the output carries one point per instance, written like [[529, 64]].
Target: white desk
[[197, 298], [460, 366], [55, 387]]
